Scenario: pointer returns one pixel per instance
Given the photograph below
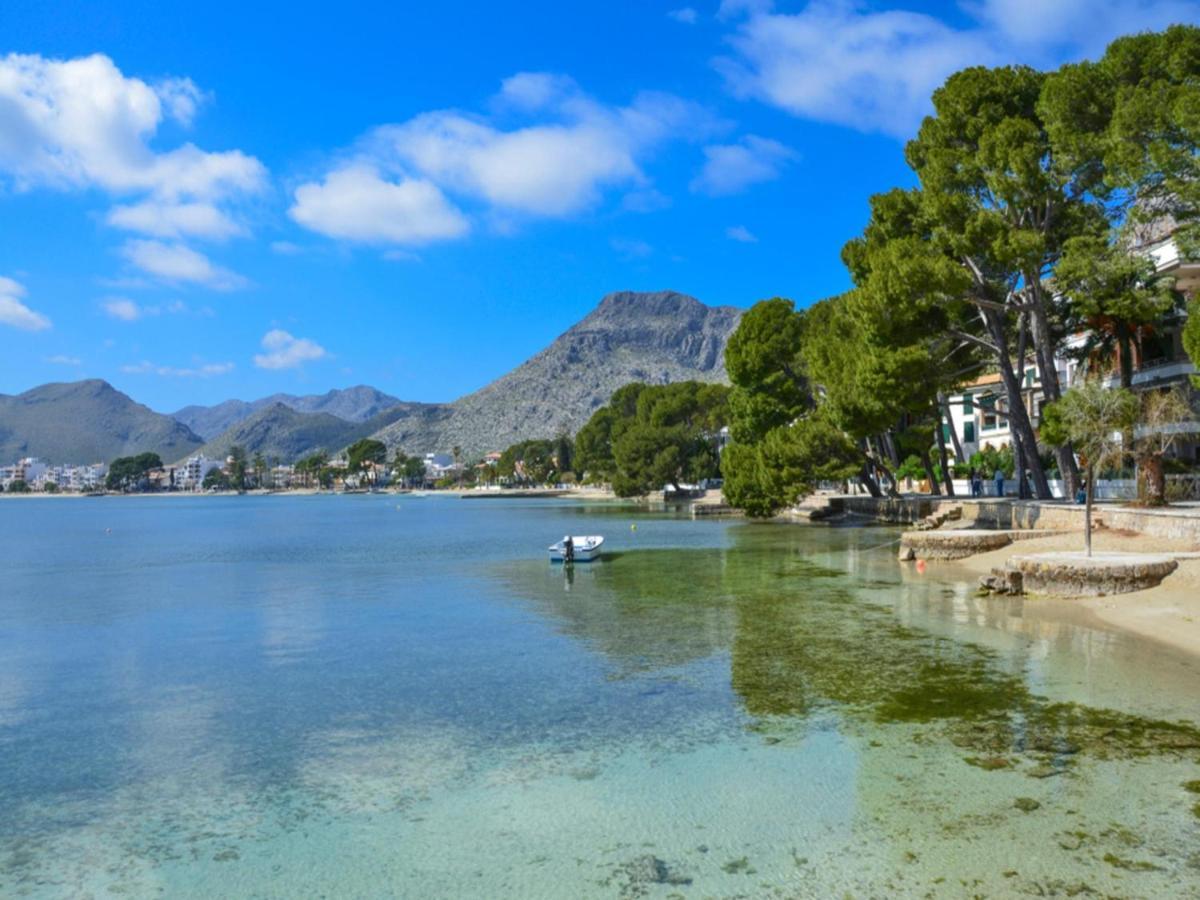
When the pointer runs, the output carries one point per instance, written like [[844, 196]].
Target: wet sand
[[1168, 613]]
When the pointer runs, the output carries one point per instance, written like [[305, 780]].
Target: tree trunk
[[944, 405], [1087, 511], [1051, 389], [1019, 467], [1155, 479], [868, 481], [889, 447], [1125, 352], [928, 466], [947, 475], [1018, 418]]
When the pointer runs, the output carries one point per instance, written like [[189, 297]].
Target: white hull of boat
[[587, 548]]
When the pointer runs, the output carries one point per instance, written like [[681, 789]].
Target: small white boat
[[585, 548]]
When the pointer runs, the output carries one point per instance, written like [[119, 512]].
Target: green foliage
[[529, 462], [237, 466], [763, 362], [365, 454], [127, 471], [1151, 139], [989, 459], [18, 486], [50, 488], [650, 436], [1092, 417], [912, 467], [216, 479], [789, 462], [1191, 336], [593, 445], [564, 453]]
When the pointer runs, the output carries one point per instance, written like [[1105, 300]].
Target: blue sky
[[203, 201]]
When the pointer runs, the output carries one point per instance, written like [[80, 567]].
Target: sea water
[[371, 695]]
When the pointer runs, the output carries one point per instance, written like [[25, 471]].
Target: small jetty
[[1076, 574], [958, 543]]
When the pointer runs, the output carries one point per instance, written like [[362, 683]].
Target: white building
[[189, 475], [31, 470]]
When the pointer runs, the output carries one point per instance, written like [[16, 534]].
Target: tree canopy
[[652, 436], [124, 473]]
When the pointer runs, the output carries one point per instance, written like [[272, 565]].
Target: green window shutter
[[968, 404], [968, 432]]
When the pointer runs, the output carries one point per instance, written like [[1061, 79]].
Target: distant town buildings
[[37, 475]]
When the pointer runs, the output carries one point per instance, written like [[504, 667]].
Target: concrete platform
[[956, 543], [1076, 575]]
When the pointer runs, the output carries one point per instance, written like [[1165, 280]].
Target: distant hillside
[[84, 422], [652, 337], [354, 404], [280, 432], [656, 338]]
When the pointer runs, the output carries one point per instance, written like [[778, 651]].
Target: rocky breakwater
[[1078, 575]]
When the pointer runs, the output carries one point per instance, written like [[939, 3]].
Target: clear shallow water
[[370, 696]]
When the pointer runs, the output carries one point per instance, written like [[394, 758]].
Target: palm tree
[[457, 451]]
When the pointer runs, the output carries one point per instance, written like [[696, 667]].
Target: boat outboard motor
[[568, 549]]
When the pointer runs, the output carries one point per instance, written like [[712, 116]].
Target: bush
[[912, 467]]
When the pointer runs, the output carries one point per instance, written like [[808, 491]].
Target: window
[[1030, 376], [988, 404], [968, 432], [968, 404]]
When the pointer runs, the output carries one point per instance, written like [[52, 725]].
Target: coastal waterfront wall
[[1173, 523]]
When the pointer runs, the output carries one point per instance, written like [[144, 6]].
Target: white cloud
[[172, 220], [684, 15], [731, 168], [178, 263], [1083, 25], [874, 70], [283, 351], [286, 248], [356, 204], [570, 149], [741, 234], [81, 123], [62, 360], [198, 370], [645, 201], [631, 249], [126, 310], [16, 314], [122, 308], [730, 9], [181, 97]]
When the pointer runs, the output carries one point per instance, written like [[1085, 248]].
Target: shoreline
[[1168, 613], [591, 494]]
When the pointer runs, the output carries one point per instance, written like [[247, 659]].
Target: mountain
[[656, 338], [85, 422], [278, 431], [354, 404], [651, 337]]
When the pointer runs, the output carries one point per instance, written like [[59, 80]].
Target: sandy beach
[[1168, 613]]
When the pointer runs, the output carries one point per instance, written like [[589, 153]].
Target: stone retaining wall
[[1176, 523]]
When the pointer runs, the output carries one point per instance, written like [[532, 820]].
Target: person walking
[[976, 483], [999, 476]]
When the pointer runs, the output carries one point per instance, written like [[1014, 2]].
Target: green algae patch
[[1133, 865], [1192, 787], [1026, 804], [738, 867], [987, 763]]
